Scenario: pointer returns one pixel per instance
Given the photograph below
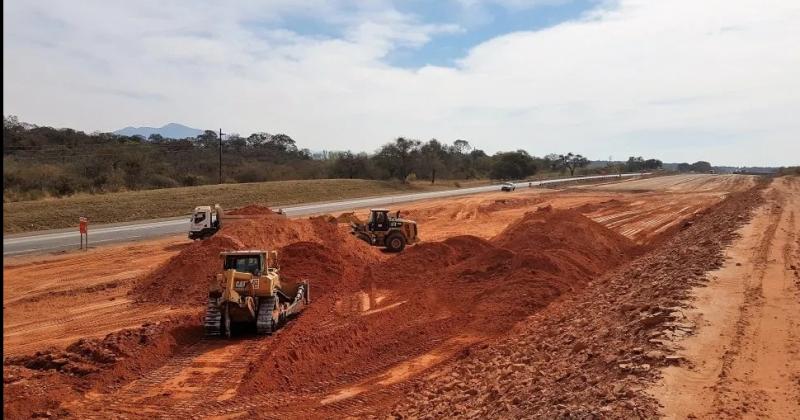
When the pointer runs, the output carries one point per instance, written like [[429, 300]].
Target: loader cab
[[378, 220]]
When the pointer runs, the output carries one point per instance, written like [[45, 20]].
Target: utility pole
[[220, 156]]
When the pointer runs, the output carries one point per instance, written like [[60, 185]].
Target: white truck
[[205, 221]]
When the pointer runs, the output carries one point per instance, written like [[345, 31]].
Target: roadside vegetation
[[789, 170], [45, 162], [25, 216]]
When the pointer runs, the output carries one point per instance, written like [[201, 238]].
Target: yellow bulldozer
[[383, 230], [249, 294]]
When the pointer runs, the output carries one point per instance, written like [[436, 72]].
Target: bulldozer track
[[265, 324], [212, 322], [209, 394]]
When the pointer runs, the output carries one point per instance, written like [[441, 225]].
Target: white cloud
[[678, 80]]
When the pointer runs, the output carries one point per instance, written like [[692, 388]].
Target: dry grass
[[26, 216]]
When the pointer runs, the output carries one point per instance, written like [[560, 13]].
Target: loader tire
[[395, 242]]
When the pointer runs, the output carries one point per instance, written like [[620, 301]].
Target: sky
[[677, 80]]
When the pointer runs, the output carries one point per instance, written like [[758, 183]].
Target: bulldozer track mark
[[129, 399]]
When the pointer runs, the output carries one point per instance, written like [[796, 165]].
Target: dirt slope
[[592, 353], [744, 360], [184, 279], [403, 313], [380, 322]]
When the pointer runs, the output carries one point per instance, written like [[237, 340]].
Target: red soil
[[373, 310], [62, 375], [463, 286], [185, 277]]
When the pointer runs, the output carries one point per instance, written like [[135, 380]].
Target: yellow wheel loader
[[249, 294], [383, 230]]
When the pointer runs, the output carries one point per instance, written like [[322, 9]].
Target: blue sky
[[679, 80], [494, 20]]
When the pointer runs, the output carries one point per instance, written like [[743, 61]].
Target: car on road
[[508, 186]]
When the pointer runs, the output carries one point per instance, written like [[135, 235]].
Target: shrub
[[190, 180], [161, 181]]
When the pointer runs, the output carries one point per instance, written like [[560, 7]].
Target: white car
[[507, 186]]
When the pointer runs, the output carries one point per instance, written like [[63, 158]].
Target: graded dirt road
[[744, 361], [85, 294], [379, 322]]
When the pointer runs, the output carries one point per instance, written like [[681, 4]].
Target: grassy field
[[26, 216]]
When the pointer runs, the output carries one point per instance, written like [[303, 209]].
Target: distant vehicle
[[508, 186], [205, 221]]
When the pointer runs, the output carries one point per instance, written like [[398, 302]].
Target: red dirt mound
[[184, 279], [463, 286], [583, 239], [38, 384]]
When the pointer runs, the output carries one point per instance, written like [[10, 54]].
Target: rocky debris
[[591, 354]]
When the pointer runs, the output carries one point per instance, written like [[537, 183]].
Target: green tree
[[701, 166], [513, 165], [398, 157], [569, 162]]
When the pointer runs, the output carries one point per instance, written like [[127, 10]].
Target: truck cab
[[205, 221]]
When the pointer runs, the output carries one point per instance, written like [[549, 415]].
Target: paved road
[[56, 240]]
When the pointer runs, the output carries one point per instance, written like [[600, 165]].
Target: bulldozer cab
[[252, 263]]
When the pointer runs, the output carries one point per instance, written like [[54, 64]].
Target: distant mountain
[[170, 131]]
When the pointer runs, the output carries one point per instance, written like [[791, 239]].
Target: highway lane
[[48, 241]]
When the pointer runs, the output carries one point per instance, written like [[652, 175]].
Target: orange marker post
[[83, 227]]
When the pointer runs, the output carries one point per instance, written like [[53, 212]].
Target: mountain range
[[170, 131]]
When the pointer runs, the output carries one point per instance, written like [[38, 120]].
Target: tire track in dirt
[[744, 360], [205, 375]]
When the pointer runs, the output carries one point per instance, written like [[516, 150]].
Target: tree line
[[44, 161]]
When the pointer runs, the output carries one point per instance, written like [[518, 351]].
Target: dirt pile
[[591, 354], [533, 261], [568, 236], [42, 382], [184, 279], [348, 218], [463, 286]]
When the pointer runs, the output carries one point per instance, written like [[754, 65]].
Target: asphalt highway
[[56, 240]]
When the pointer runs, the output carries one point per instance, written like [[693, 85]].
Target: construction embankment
[[554, 301]]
